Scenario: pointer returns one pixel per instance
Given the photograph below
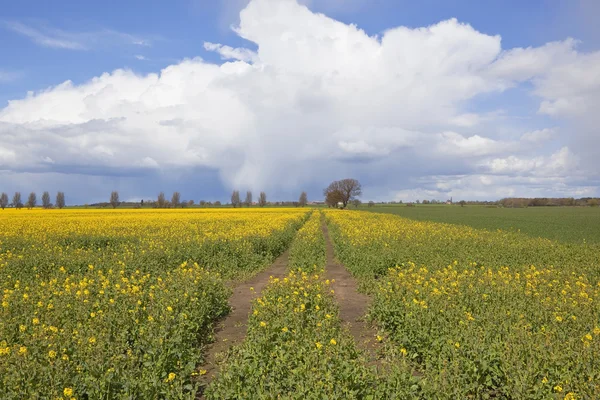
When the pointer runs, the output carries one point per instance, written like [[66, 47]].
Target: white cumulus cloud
[[318, 99]]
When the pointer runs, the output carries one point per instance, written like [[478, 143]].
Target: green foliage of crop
[[477, 314], [565, 224], [103, 304]]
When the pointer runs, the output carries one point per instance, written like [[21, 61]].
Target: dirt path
[[232, 329], [353, 305]]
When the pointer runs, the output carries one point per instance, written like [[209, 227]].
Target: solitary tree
[[262, 199], [31, 200], [235, 198], [371, 203], [60, 199], [114, 199], [46, 200], [176, 199], [16, 201], [356, 203], [3, 200], [342, 192], [218, 203], [248, 201], [161, 202], [303, 199], [462, 203]]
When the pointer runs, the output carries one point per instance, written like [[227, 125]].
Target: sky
[[417, 100]]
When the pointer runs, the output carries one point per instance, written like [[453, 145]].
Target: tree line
[[17, 201], [176, 201]]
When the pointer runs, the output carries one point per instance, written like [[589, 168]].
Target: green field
[[567, 224]]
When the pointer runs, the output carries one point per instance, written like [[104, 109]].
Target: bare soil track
[[353, 304], [232, 329]]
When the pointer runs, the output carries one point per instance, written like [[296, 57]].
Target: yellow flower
[[332, 342], [150, 318], [52, 354], [22, 350], [169, 309], [319, 345], [35, 321], [22, 328], [92, 340], [327, 316], [457, 345], [379, 338], [596, 331], [403, 351], [317, 307], [558, 388], [559, 318], [255, 312], [65, 357], [171, 377], [588, 337], [68, 392], [202, 372], [284, 329], [545, 380], [4, 351], [263, 324]]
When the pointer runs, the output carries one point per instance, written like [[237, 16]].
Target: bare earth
[[232, 329], [353, 305]]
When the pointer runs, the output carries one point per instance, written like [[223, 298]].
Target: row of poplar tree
[[32, 202]]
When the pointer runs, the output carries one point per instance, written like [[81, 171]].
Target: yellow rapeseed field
[[118, 304], [478, 314]]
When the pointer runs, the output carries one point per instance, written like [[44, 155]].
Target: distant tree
[[593, 202], [142, 203], [235, 198], [262, 199], [191, 203], [418, 202], [202, 203], [176, 199], [462, 203], [114, 199], [303, 199], [46, 200], [3, 200], [218, 203], [371, 203], [16, 201], [248, 200], [31, 200], [60, 199], [426, 201], [161, 201], [343, 191], [356, 203]]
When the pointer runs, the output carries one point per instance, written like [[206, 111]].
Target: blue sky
[[269, 106]]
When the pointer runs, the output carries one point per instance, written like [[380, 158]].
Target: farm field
[[566, 224], [119, 304], [124, 304], [470, 313]]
